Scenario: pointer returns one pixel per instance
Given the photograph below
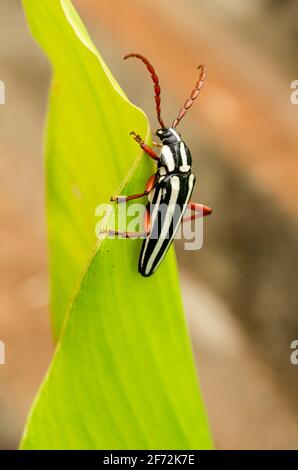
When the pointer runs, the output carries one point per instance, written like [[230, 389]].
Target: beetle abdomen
[[171, 196]]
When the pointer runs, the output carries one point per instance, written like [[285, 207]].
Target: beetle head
[[168, 136]]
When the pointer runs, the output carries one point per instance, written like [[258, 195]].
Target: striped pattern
[[167, 158], [169, 202], [175, 134], [176, 158], [184, 158]]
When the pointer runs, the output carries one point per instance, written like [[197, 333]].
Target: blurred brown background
[[240, 290]]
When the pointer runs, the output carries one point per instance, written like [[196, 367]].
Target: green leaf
[[89, 149], [123, 375]]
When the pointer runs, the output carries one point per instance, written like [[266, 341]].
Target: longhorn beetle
[[171, 186]]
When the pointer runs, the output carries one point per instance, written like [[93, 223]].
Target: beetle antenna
[[155, 81], [193, 96]]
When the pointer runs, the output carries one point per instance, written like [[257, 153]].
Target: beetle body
[[169, 190], [169, 198]]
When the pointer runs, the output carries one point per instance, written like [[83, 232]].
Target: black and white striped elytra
[[169, 198]]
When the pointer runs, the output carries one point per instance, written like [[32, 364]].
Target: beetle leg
[[147, 219], [120, 199], [149, 186], [200, 211], [120, 234], [123, 234], [148, 150], [156, 144], [150, 183]]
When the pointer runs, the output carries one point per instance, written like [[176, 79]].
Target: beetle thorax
[[175, 155]]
